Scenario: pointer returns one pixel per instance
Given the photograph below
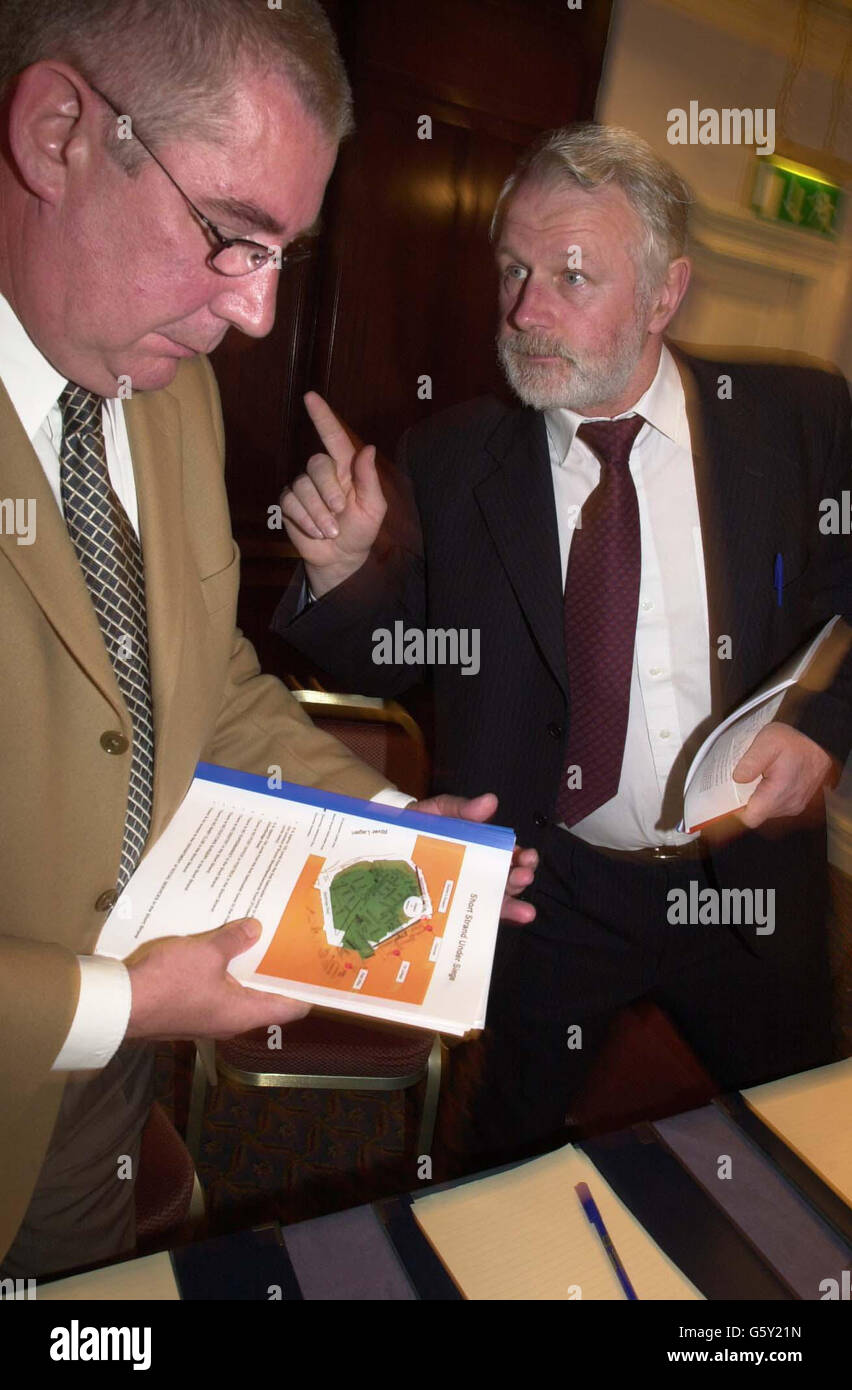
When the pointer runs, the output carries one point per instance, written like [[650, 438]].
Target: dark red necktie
[[601, 603]]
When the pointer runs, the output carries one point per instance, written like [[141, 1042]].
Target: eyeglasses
[[233, 255]]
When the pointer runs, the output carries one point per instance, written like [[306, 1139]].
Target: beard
[[578, 381]]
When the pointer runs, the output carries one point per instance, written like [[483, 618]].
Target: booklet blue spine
[[470, 832]]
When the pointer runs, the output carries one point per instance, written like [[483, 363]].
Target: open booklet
[[709, 789], [373, 910]]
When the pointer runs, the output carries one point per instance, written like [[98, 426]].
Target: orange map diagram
[[300, 950]]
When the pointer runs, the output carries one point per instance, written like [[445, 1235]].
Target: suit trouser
[[82, 1210], [602, 938]]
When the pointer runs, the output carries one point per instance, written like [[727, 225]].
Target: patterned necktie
[[111, 558], [601, 603]]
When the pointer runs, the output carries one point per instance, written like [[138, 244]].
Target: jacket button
[[107, 900], [539, 818], [555, 730], [114, 742]]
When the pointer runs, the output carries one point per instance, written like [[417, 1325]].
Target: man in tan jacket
[[139, 220]]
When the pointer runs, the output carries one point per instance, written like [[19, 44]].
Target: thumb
[[365, 479], [748, 767], [236, 937], [476, 808]]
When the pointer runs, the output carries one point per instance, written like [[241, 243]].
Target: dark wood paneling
[[535, 62], [414, 287], [260, 381]]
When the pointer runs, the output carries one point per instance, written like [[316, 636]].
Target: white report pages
[[709, 789], [368, 909]]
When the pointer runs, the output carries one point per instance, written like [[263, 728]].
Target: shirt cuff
[[102, 1016], [390, 796], [306, 598]]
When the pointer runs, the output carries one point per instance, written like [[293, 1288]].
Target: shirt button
[[540, 819], [665, 733], [106, 900], [114, 742], [655, 670], [646, 605], [555, 730]]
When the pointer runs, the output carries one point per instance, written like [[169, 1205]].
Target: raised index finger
[[340, 442]]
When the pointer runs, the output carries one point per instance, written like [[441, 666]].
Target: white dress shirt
[[34, 388], [670, 683]]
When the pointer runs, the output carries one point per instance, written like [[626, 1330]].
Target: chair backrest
[[380, 732]]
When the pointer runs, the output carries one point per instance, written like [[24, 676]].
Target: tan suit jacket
[[63, 796]]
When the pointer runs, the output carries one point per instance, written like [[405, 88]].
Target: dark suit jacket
[[471, 540]]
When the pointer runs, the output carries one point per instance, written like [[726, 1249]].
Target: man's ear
[[667, 297], [51, 120]]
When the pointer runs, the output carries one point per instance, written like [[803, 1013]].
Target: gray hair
[[174, 65], [591, 155]]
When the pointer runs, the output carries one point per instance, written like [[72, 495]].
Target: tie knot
[[81, 409], [611, 440]]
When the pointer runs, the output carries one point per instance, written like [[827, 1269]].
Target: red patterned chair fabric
[[164, 1184]]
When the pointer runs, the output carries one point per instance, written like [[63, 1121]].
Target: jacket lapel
[[520, 512], [735, 481], [49, 567]]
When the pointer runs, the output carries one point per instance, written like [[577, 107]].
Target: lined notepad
[[812, 1113], [523, 1235]]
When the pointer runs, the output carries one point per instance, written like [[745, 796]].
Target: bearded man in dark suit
[[637, 547]]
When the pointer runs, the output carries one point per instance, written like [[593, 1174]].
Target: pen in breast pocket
[[778, 577]]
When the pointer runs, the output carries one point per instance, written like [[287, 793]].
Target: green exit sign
[[788, 192]]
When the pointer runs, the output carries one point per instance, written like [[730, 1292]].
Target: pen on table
[[589, 1206], [778, 576]]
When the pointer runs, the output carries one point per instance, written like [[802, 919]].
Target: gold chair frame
[[208, 1070]]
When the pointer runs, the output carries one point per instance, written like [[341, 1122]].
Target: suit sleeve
[[821, 705], [262, 728], [351, 629], [28, 1052]]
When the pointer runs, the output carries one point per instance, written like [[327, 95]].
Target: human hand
[[181, 988], [333, 511], [794, 768], [524, 861]]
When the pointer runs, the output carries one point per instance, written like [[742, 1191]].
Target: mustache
[[525, 345]]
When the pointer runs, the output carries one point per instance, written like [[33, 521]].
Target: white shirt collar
[[34, 386], [663, 406]]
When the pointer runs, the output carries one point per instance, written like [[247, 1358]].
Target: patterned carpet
[[291, 1155]]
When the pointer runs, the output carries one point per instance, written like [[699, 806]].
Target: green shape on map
[[368, 901]]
